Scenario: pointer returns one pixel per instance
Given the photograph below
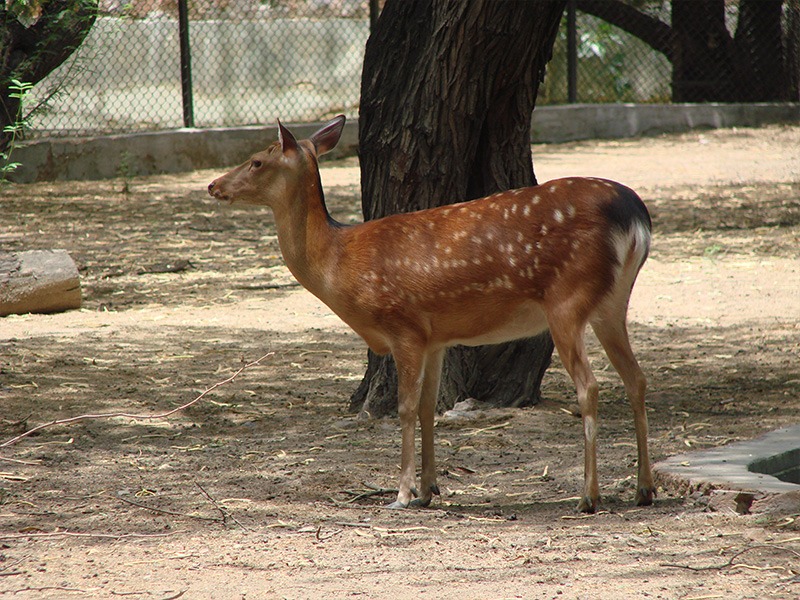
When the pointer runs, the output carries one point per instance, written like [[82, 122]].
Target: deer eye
[[255, 164]]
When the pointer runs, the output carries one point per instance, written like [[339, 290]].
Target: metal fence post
[[572, 53], [186, 64]]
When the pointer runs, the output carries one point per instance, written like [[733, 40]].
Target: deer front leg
[[427, 412], [409, 386]]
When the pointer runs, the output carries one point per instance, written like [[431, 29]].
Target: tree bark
[[448, 89], [793, 50], [759, 52], [30, 53], [708, 64]]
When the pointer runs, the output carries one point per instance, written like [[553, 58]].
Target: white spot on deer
[[448, 250], [475, 239], [527, 210], [514, 208], [518, 191], [506, 214], [512, 261], [431, 225], [543, 230], [489, 236], [570, 211], [520, 237], [528, 248], [536, 199], [476, 260], [558, 216], [552, 189], [570, 181], [576, 244]]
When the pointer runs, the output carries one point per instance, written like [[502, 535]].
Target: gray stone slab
[[727, 466]]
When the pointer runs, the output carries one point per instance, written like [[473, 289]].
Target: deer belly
[[501, 325]]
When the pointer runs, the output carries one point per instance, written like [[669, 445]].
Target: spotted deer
[[554, 256]]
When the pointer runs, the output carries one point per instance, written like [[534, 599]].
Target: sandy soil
[[264, 488]]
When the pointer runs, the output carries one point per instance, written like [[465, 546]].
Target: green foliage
[[27, 12], [20, 91]]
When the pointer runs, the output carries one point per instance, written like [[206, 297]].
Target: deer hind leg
[[410, 376], [612, 333], [567, 333], [427, 410]]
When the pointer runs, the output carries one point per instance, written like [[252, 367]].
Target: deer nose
[[211, 187]]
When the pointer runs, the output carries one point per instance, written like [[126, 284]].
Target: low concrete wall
[[152, 153], [188, 149], [596, 121]]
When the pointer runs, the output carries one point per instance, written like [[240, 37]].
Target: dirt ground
[[264, 488]]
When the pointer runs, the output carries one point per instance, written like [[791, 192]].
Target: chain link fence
[[255, 60]]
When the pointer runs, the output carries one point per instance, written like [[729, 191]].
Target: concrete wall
[[597, 121], [188, 149], [128, 73]]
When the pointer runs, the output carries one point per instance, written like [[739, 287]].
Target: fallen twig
[[373, 491], [322, 538], [113, 536], [137, 417], [170, 512], [730, 562], [226, 514], [482, 429]]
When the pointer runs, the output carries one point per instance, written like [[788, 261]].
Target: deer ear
[[328, 136], [286, 139]]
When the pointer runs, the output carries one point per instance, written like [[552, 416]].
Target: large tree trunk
[[35, 43], [759, 52], [702, 69], [708, 64], [447, 93], [792, 37]]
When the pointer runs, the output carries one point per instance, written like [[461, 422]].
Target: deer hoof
[[644, 496], [587, 505], [396, 505]]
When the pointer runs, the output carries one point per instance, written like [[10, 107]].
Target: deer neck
[[307, 236]]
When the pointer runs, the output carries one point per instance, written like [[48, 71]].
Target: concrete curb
[[181, 150], [727, 467]]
